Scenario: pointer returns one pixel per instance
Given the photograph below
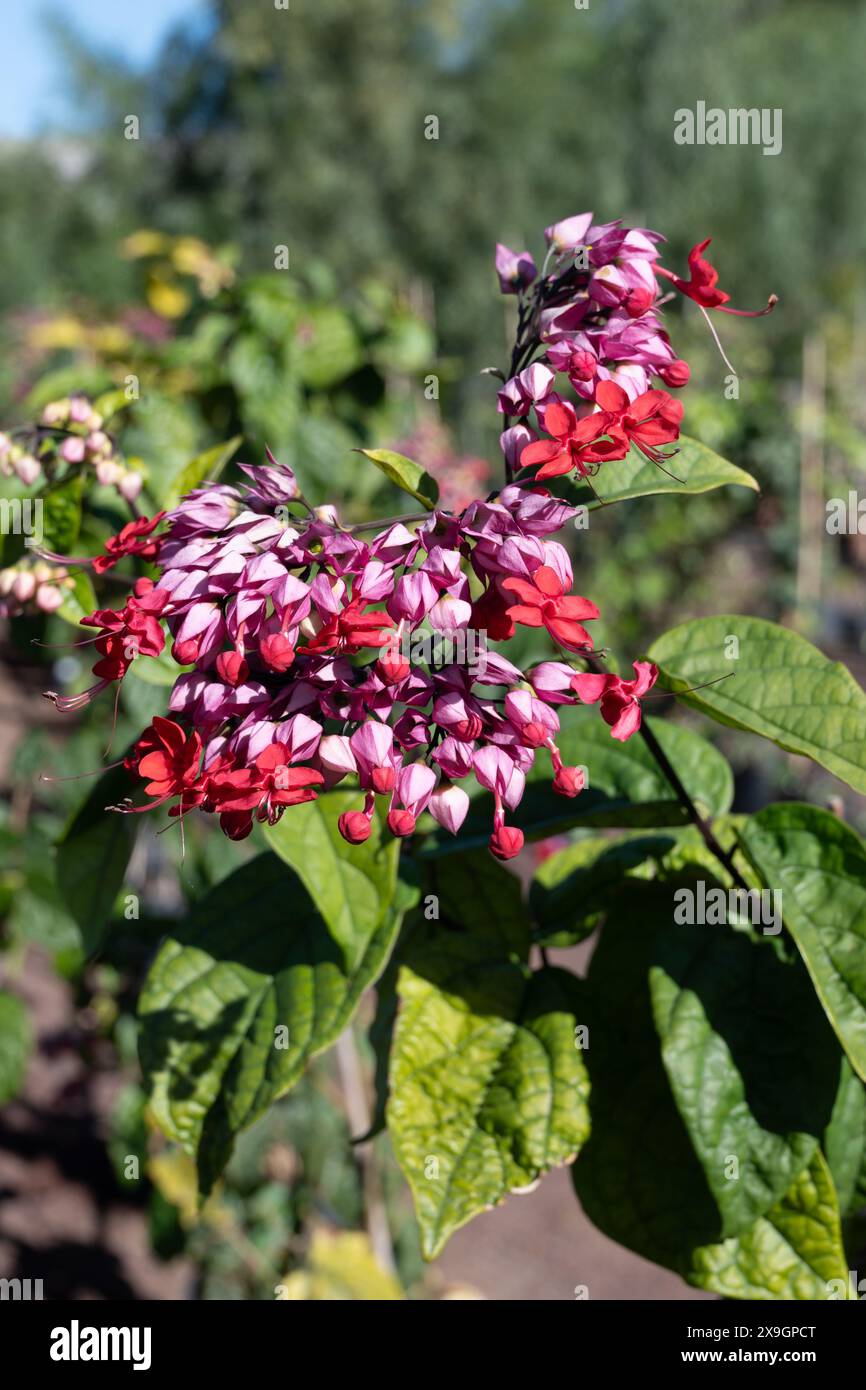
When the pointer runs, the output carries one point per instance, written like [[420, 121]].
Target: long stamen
[[712, 329]]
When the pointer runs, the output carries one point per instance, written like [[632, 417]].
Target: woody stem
[[686, 801]]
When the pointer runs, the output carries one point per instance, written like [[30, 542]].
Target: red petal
[[611, 397], [548, 581], [523, 589]]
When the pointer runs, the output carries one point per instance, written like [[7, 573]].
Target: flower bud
[[232, 668], [383, 779], [48, 598], [354, 827], [73, 449], [637, 302], [675, 374], [130, 486], [568, 781], [506, 842], [335, 754], [28, 469], [277, 652], [25, 586], [108, 472], [392, 666], [449, 805], [185, 653], [401, 823]]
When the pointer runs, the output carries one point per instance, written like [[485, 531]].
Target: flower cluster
[[310, 653], [70, 431], [300, 640], [592, 316], [33, 585]]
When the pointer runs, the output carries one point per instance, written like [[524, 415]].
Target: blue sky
[[31, 81]]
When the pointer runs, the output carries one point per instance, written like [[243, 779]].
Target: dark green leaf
[[819, 865], [752, 1063], [93, 854], [61, 514]]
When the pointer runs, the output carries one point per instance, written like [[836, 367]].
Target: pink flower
[[414, 788], [373, 747], [449, 805], [516, 269], [530, 387], [570, 233]]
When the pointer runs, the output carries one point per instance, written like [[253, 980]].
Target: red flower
[[620, 700], [544, 603], [576, 443], [169, 762], [352, 629], [132, 540], [128, 632], [267, 788], [649, 421], [701, 286], [490, 615]]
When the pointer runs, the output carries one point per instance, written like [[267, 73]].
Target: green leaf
[[572, 887], [204, 467], [92, 856], [794, 1253], [638, 1178], [157, 670], [696, 466], [80, 599], [328, 347], [845, 1139], [406, 475], [782, 688], [15, 1043], [110, 403], [353, 885], [488, 1088], [755, 1090], [254, 956], [819, 865], [625, 785], [61, 514]]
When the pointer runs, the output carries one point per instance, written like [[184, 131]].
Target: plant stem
[[388, 521], [685, 800]]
